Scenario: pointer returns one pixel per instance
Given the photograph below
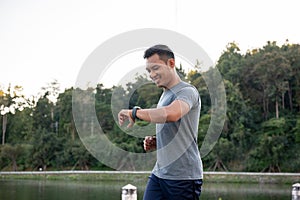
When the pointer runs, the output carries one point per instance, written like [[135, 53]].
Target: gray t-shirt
[[178, 156]]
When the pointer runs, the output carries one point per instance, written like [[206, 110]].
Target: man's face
[[159, 71]]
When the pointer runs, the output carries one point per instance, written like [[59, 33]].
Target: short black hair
[[163, 51]]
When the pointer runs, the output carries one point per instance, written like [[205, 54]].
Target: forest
[[261, 131]]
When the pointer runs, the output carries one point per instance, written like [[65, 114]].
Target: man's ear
[[171, 62]]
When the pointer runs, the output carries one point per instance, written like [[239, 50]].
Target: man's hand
[[150, 143], [125, 115]]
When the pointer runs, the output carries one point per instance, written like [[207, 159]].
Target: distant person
[[178, 172]]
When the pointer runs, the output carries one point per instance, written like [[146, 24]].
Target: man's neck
[[178, 80]]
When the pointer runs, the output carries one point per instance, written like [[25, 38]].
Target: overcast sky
[[42, 41]]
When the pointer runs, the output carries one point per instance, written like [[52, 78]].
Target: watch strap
[[134, 110]]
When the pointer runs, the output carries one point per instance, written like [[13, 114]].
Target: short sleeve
[[189, 95]]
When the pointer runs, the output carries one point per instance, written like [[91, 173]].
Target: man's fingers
[[149, 143], [123, 116], [131, 122], [120, 118]]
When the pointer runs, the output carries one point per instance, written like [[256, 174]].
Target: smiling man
[[178, 172]]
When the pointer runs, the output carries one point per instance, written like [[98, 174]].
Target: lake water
[[98, 190]]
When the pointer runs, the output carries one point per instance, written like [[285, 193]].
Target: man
[[178, 172]]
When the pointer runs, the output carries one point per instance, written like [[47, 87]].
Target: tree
[[46, 146], [11, 100], [103, 107], [292, 54], [20, 127], [268, 72], [271, 147], [66, 126], [230, 63], [43, 115], [12, 152]]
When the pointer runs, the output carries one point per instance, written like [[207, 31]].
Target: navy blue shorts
[[161, 189]]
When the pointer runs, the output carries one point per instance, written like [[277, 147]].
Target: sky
[[46, 40]]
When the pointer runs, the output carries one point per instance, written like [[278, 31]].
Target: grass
[[216, 177]]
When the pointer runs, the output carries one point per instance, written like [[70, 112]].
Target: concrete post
[[296, 191], [129, 192]]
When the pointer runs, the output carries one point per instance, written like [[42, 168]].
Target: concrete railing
[[144, 172]]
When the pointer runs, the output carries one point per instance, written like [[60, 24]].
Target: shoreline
[[135, 176]]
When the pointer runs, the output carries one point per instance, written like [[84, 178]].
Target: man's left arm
[[170, 113]]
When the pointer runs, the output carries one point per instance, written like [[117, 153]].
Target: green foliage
[[12, 153], [63, 115], [20, 126], [297, 131], [262, 107], [47, 148], [261, 131]]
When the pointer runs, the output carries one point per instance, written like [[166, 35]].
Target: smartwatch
[[134, 109]]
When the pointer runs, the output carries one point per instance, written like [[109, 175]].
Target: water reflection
[[66, 190], [246, 191], [111, 190]]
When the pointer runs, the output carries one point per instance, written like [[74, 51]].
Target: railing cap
[[129, 187], [296, 185]]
